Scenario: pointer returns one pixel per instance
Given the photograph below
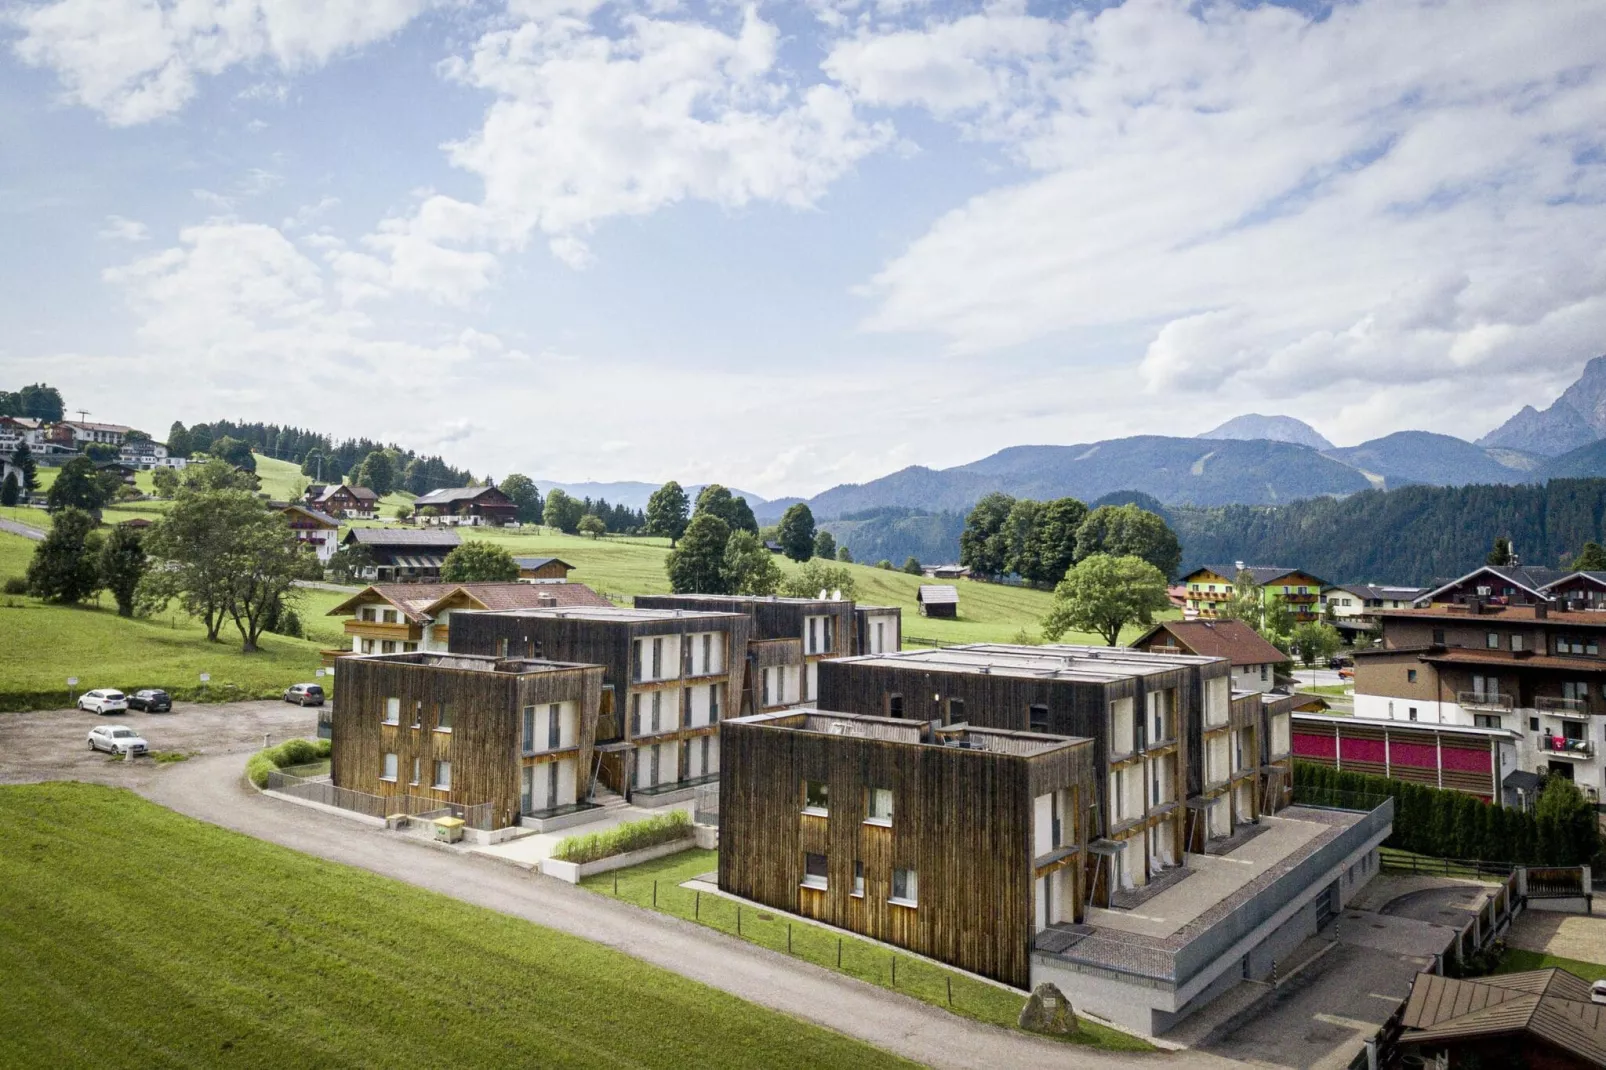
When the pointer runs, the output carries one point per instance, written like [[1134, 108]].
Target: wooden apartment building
[[672, 674], [514, 734], [957, 843], [391, 618]]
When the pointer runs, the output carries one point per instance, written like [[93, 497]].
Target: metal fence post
[[697, 908]]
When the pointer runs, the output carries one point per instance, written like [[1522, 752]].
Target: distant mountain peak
[[1573, 420], [1253, 425]]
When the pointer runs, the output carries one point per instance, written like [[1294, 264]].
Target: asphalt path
[[22, 529]]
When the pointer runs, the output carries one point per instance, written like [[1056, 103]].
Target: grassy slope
[[41, 645], [132, 936], [860, 958]]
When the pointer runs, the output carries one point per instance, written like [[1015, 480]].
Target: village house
[[1352, 607], [16, 430], [957, 843], [318, 532], [1210, 590], [76, 434], [1517, 585], [946, 572], [1537, 1018], [342, 500], [401, 555], [543, 568], [673, 675], [1519, 667], [144, 454], [402, 617], [469, 505], [1254, 661], [508, 739]]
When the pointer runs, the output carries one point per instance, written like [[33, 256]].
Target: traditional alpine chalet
[[402, 617], [510, 737], [402, 555], [473, 506], [1210, 589], [672, 673], [857, 821], [318, 532], [342, 500], [1254, 661]]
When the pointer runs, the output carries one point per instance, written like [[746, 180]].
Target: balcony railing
[[1485, 700], [1561, 705], [1579, 748]]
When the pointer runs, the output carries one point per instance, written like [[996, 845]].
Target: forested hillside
[[1412, 535], [894, 534]]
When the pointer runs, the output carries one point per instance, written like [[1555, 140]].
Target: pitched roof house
[[1254, 660], [470, 505], [938, 600], [402, 554], [400, 617], [1536, 1018], [1210, 588], [342, 500]]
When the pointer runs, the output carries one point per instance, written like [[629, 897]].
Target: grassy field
[[656, 885], [1516, 960], [41, 645], [131, 936]]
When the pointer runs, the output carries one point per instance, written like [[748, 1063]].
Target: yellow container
[[448, 829]]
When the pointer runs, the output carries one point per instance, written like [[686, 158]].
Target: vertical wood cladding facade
[[485, 699], [962, 820]]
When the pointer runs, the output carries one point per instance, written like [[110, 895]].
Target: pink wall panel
[[1418, 755], [1362, 750], [1310, 745], [1465, 760]]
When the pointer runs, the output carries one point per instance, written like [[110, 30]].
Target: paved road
[[211, 787], [22, 529]]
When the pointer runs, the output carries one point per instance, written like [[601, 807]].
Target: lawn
[[656, 885], [281, 480], [1516, 960], [131, 936], [41, 645]]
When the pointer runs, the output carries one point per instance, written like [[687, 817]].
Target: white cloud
[[1403, 192], [120, 229], [138, 60]]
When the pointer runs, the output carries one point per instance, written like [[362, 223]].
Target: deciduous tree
[[731, 508], [796, 532], [816, 576], [749, 567], [195, 550], [1592, 558], [1314, 641], [64, 567], [912, 566], [668, 512], [1126, 530], [165, 482], [122, 565], [478, 561], [562, 512], [1103, 594], [983, 545], [526, 495], [78, 486], [697, 564], [843, 554], [377, 472], [217, 474], [592, 525]]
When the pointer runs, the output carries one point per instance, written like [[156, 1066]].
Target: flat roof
[[1094, 664], [1498, 613], [754, 599], [471, 662], [903, 730], [622, 614]]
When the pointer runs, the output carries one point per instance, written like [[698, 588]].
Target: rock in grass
[[1048, 1011]]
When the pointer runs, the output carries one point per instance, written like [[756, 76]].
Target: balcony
[[1561, 705], [1569, 748], [1485, 700], [376, 629]]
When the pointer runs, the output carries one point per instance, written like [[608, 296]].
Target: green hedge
[[290, 752], [621, 839], [1442, 823]]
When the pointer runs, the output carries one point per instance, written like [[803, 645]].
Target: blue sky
[[789, 245]]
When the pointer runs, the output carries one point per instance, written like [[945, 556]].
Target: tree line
[[35, 402], [1039, 541]]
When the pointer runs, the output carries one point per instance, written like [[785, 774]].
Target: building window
[[443, 776], [552, 784], [956, 710], [393, 711], [389, 772], [1533, 724], [1516, 642], [1438, 637], [657, 658], [814, 635], [367, 646], [894, 705], [880, 639], [390, 616], [1411, 712], [1410, 676], [417, 764], [554, 727], [814, 871], [443, 717], [713, 703], [1263, 671], [657, 708], [1037, 719], [816, 797], [1492, 641], [858, 878], [708, 653], [1486, 720], [529, 729], [905, 887], [880, 806]]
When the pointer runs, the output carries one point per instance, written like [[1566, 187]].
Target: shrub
[[290, 752], [621, 839], [16, 585]]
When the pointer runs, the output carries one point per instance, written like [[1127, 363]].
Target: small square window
[[814, 871], [880, 806], [1492, 640], [1413, 713], [443, 776], [858, 877], [816, 797], [905, 887], [1037, 719], [1533, 724], [1410, 676], [389, 772], [1438, 637]]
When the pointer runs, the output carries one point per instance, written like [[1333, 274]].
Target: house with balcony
[[672, 673], [76, 434], [318, 532], [1254, 661], [510, 736], [1209, 590], [391, 618], [1500, 585], [16, 430], [469, 505], [955, 842], [342, 500], [1518, 667], [142, 453], [1353, 607], [1578, 591], [401, 555]]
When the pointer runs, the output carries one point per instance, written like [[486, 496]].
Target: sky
[[789, 245]]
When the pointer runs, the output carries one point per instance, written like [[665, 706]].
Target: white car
[[118, 740], [106, 700], [1597, 992]]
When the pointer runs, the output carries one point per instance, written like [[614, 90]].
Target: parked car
[[304, 695], [151, 700], [1597, 992], [1341, 661], [118, 740], [105, 700], [1347, 673]]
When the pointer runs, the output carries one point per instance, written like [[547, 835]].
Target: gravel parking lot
[[52, 744]]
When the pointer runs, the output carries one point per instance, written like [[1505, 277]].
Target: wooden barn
[[543, 568], [469, 505], [938, 600], [672, 674], [956, 843], [516, 734], [1148, 716]]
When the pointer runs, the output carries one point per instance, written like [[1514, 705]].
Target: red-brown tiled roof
[[1230, 639], [418, 601], [1506, 614]]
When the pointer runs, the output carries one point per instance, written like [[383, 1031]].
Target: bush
[[290, 752], [16, 585], [621, 839]]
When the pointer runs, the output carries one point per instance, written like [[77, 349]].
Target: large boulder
[[1048, 1011]]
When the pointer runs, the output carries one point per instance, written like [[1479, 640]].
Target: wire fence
[[705, 805], [479, 816]]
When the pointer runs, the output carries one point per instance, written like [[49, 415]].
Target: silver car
[[118, 740]]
